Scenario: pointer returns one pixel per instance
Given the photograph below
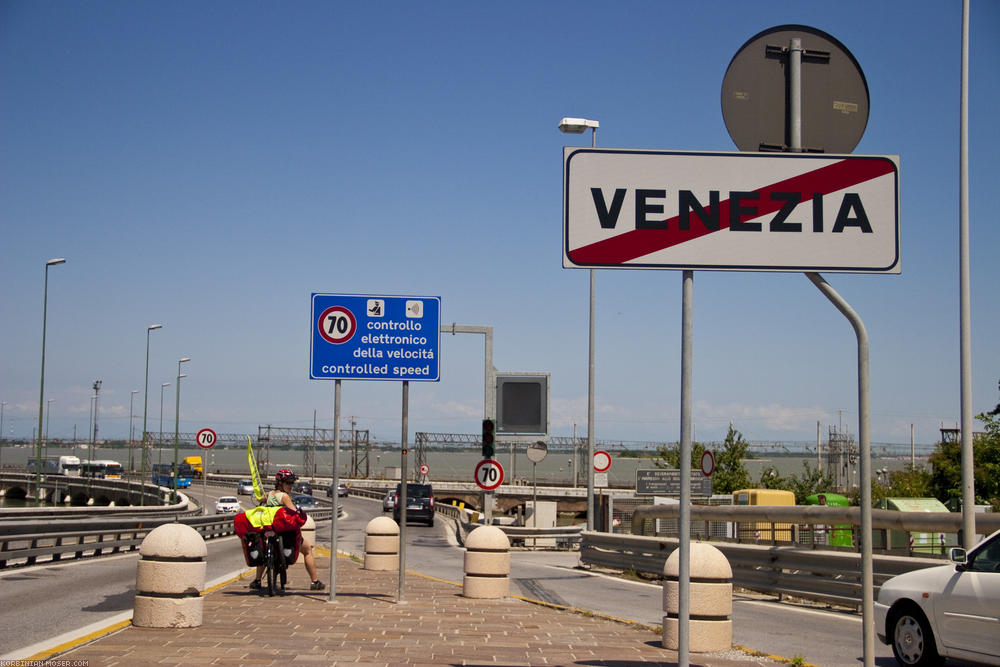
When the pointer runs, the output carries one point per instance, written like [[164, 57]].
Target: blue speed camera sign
[[365, 337]]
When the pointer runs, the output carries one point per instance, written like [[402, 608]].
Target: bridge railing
[[829, 577], [107, 536], [124, 489]]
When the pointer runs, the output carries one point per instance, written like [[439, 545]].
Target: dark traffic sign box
[[367, 337], [667, 482]]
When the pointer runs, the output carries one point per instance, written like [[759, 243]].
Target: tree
[[770, 478], [730, 473], [812, 480], [909, 483], [669, 456], [946, 466]]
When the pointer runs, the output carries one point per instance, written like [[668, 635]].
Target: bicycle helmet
[[285, 475]]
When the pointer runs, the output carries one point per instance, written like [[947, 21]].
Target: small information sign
[[667, 482]]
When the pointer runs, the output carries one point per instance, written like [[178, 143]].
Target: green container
[[929, 543], [840, 536]]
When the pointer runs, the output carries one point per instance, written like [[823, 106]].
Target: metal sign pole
[[204, 484], [684, 520], [335, 482], [401, 496], [867, 568]]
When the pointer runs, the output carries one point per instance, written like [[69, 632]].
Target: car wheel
[[912, 639]]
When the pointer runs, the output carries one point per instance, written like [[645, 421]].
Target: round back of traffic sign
[[756, 87]]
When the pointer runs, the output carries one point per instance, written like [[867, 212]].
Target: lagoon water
[[451, 465]]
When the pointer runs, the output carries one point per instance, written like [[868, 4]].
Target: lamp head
[[577, 125], [154, 326], [52, 262]]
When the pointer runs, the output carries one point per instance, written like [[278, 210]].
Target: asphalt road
[[69, 599]]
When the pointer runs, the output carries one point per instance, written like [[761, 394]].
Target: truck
[[196, 467]]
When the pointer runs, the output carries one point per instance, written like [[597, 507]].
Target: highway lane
[[52, 599], [48, 600]]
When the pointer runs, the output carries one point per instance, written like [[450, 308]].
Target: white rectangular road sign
[[645, 209]]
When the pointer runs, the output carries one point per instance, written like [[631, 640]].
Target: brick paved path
[[434, 625]]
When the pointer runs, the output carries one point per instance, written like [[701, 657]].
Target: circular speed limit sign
[[707, 463], [206, 438], [489, 474], [425, 469], [337, 325]]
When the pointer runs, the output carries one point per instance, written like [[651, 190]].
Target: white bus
[[57, 465], [103, 469]]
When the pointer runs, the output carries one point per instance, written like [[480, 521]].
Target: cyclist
[[284, 479]]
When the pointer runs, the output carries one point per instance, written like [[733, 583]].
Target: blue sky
[[208, 166]]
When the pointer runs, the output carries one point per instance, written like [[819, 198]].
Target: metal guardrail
[[107, 536], [817, 515], [830, 577], [467, 520]]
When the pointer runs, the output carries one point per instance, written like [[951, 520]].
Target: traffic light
[[489, 438]]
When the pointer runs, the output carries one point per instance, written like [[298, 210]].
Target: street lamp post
[[159, 442], [579, 126], [48, 413], [131, 433], [177, 421], [2, 406], [41, 389], [145, 409], [97, 403]]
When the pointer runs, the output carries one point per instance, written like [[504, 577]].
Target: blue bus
[[163, 475]]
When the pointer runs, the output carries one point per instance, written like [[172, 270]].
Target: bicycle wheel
[[270, 562], [281, 565]]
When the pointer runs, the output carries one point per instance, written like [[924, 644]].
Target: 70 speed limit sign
[[206, 438], [489, 474]]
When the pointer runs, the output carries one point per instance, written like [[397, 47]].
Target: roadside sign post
[[602, 464], [842, 215], [206, 439], [369, 337], [536, 454]]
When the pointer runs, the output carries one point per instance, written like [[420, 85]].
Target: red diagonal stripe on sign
[[639, 242]]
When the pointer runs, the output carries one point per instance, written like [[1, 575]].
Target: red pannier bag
[[286, 523]]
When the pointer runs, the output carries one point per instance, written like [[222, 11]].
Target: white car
[[948, 611], [227, 505]]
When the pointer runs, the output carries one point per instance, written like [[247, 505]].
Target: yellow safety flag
[[258, 487]]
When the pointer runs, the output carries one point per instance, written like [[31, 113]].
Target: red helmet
[[285, 475]]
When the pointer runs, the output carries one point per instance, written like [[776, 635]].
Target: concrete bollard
[[309, 532], [382, 544], [487, 564], [711, 605], [169, 578]]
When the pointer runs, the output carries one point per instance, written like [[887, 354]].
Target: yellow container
[[763, 531]]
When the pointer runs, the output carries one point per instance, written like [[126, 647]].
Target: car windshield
[[228, 499], [417, 491]]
